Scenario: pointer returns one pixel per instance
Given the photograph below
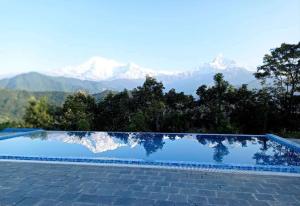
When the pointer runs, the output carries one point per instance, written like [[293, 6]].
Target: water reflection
[[150, 141], [219, 142], [96, 142], [272, 153], [266, 152]]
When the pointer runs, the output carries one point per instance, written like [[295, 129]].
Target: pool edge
[[231, 171], [293, 145], [175, 164]]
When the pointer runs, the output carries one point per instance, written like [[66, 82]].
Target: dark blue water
[[149, 146]]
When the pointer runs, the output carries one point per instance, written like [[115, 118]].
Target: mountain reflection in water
[[270, 153]]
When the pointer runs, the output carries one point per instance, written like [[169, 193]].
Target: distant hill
[[34, 81]]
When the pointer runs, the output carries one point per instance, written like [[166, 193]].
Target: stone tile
[[106, 200], [69, 197], [217, 201], [259, 203], [158, 196], [29, 201], [164, 203], [84, 204], [153, 189], [173, 190], [189, 191], [208, 193], [237, 202], [10, 200], [177, 198], [44, 184], [133, 201], [266, 197], [285, 198], [224, 194], [194, 199], [47, 202], [136, 187], [243, 196]]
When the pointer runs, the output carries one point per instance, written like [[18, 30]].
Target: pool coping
[[295, 146], [176, 164], [231, 171]]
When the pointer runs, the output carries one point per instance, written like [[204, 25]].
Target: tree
[[214, 104], [149, 99], [138, 122], [179, 111], [37, 114], [113, 113], [282, 67], [78, 112], [149, 92]]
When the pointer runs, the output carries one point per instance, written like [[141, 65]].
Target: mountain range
[[99, 74]]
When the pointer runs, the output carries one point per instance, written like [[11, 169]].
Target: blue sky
[[163, 34]]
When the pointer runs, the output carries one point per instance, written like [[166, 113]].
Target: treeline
[[219, 108]]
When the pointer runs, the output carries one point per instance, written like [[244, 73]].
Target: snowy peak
[[99, 68], [132, 71], [103, 69], [222, 63]]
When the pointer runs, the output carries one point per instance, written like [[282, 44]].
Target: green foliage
[[178, 111], [138, 122], [113, 113], [215, 104], [14, 102], [10, 124], [78, 112], [149, 98], [38, 114], [282, 68]]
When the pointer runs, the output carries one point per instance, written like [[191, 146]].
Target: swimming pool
[[243, 152]]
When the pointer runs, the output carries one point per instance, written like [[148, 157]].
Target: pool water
[[216, 149]]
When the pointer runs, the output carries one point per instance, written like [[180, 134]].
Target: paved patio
[[56, 184]]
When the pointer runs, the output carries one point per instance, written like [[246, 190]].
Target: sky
[[42, 35]]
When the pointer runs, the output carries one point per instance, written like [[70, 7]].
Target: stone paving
[[57, 184]]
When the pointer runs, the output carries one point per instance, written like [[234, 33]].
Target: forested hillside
[[14, 102]]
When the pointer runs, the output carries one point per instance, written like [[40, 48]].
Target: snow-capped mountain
[[99, 69], [220, 63], [98, 74], [103, 69]]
